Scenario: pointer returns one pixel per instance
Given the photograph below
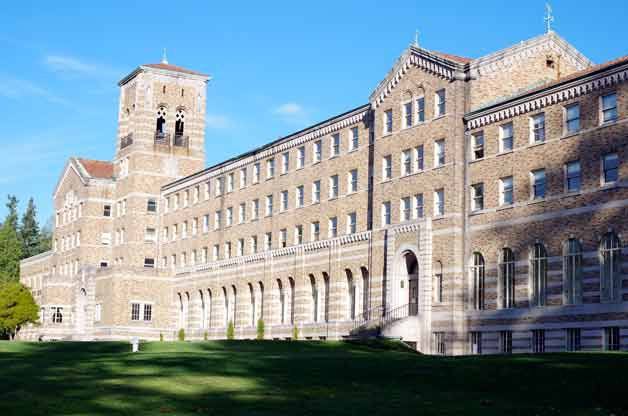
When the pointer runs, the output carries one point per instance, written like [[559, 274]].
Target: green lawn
[[300, 378]]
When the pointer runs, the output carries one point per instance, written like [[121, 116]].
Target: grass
[[300, 378]]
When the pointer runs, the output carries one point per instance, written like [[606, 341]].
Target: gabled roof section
[[97, 169], [437, 63], [165, 68], [173, 68]]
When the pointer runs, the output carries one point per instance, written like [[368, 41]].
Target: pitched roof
[[97, 168], [455, 58], [174, 68]]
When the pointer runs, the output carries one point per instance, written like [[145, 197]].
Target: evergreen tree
[[45, 237], [10, 246], [17, 307], [29, 231]]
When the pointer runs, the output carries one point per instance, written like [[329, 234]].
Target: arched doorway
[[412, 274]]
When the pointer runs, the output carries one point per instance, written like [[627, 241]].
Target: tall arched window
[[209, 308], [282, 302], [610, 259], [253, 312], [161, 121], [572, 272], [351, 294], [477, 274], [327, 297], [225, 306], [507, 277], [179, 124], [365, 292], [235, 303], [292, 296], [314, 298], [202, 305], [261, 300], [538, 276]]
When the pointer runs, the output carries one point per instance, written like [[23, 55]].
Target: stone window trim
[[139, 310], [571, 119], [609, 169], [607, 105], [572, 171], [537, 128]]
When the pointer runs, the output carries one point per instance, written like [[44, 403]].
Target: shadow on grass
[[248, 377]]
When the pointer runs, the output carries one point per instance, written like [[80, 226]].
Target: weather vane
[[549, 18], [416, 38]]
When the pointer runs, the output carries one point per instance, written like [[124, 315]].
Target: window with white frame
[[538, 183], [285, 162], [254, 244], [572, 272], [218, 189], [352, 220], [230, 182], [315, 230], [135, 311], [387, 168], [418, 206], [151, 205], [195, 194], [333, 186], [572, 118], [407, 114], [335, 145], [440, 103], [300, 196], [420, 109], [283, 237], [406, 162], [242, 178], [298, 234], [255, 209], [205, 223], [149, 262], [175, 231], [610, 267], [206, 191], [269, 205], [477, 197], [268, 241], [439, 153], [537, 128], [184, 229], [388, 121], [217, 219], [477, 146], [386, 214], [317, 149], [573, 178], [256, 172], [538, 275], [216, 252], [242, 213], [194, 226], [240, 247], [283, 206], [610, 168], [608, 108], [229, 221], [506, 138], [97, 313], [333, 227], [355, 138], [406, 208], [506, 191], [228, 250], [270, 168], [439, 202], [300, 157], [418, 158], [316, 192], [150, 234], [353, 180]]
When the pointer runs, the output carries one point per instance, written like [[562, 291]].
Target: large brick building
[[472, 205]]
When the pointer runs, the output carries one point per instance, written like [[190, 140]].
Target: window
[[242, 213], [97, 313], [538, 268], [300, 196], [149, 263], [219, 184], [205, 223], [572, 118], [538, 340], [537, 128], [148, 312], [608, 107], [611, 338], [439, 202], [477, 197], [418, 158], [438, 284], [538, 184], [610, 167], [610, 268], [406, 161], [217, 220], [229, 216], [420, 109], [216, 252], [285, 162], [351, 223], [505, 342], [135, 311], [283, 237], [255, 209], [406, 209], [256, 172], [572, 272], [151, 205], [230, 182], [104, 264], [333, 186], [284, 201], [57, 315], [507, 278], [407, 114], [298, 234], [268, 241], [505, 191], [206, 192], [318, 148], [240, 247], [439, 153], [333, 227], [316, 192], [386, 168], [388, 121], [572, 176], [477, 275], [353, 180], [335, 145], [573, 339], [477, 146], [300, 157], [106, 212], [227, 251], [269, 205], [254, 244], [439, 343], [197, 191], [242, 178], [270, 168], [316, 230], [150, 234], [386, 213], [186, 198], [355, 138], [475, 342], [506, 138], [440, 99], [418, 206]]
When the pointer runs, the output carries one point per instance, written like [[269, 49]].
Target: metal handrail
[[126, 140], [162, 138], [381, 317], [181, 140]]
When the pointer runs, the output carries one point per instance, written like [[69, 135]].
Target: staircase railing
[[380, 317]]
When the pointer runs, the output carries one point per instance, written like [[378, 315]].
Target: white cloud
[[16, 88], [70, 65], [217, 121], [289, 110]]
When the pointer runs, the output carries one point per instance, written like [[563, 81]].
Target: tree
[[29, 231], [230, 330], [45, 237], [17, 307], [260, 329], [10, 246]]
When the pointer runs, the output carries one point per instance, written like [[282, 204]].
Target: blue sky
[[276, 66]]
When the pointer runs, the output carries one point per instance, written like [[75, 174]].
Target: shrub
[[161, 337], [205, 336], [230, 330], [181, 334], [260, 329], [295, 333]]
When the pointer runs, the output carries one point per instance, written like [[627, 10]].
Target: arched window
[[161, 122], [225, 310], [327, 297], [57, 316], [202, 305], [365, 292], [235, 303], [477, 273], [261, 300], [179, 122], [351, 289], [292, 295], [282, 302], [610, 259], [538, 268], [209, 308], [572, 272], [507, 278], [314, 298], [252, 309]]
